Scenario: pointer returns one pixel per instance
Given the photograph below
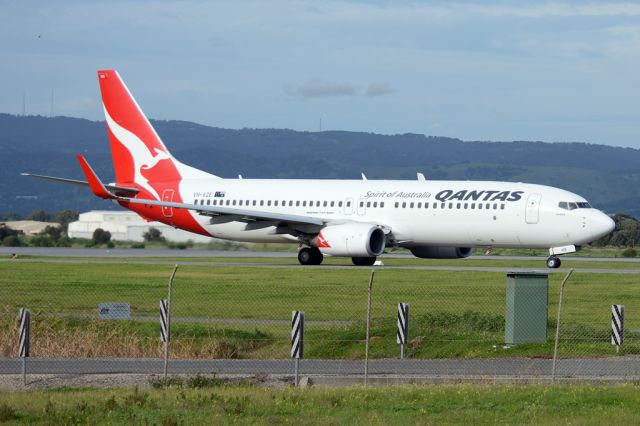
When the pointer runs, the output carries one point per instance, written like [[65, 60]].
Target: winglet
[[97, 187]]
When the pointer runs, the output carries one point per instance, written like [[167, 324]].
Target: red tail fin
[[139, 156], [135, 146]]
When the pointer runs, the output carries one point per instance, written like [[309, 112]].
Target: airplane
[[349, 218]]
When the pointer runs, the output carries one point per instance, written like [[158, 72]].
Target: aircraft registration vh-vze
[[352, 218]]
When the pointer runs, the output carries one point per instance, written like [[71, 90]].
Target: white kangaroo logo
[[143, 158]]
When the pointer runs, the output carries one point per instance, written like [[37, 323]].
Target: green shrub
[[629, 252], [165, 382], [12, 241], [100, 236], [7, 413], [41, 241], [177, 246], [200, 381], [153, 234]]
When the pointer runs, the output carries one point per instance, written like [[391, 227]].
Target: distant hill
[[609, 177]]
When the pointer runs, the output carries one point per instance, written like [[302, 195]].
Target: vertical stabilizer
[[139, 155]]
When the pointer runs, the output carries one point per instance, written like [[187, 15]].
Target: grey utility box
[[527, 308]]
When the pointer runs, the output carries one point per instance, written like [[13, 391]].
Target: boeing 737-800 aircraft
[[352, 218]]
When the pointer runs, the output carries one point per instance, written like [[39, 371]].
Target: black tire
[[363, 261], [305, 256], [316, 256], [553, 262], [310, 256]]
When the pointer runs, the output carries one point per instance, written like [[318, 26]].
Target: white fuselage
[[416, 213]]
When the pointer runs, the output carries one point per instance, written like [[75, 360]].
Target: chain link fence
[[237, 320]]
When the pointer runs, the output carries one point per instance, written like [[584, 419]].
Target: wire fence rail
[[106, 318]]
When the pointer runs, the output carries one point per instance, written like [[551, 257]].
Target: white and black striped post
[[402, 335], [297, 340], [24, 337], [617, 326], [165, 330]]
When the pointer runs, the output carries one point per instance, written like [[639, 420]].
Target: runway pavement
[[137, 253], [613, 368]]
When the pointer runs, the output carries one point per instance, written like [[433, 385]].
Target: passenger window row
[[270, 203], [369, 204], [450, 205]]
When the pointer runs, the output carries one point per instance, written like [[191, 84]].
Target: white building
[[126, 226]]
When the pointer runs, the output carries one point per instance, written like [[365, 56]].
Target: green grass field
[[453, 314], [442, 404]]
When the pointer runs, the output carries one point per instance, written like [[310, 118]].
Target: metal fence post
[[617, 326], [555, 348], [297, 341], [165, 331], [402, 334], [24, 337], [366, 345], [165, 321]]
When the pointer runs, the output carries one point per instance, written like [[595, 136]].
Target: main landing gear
[[363, 261], [553, 262], [310, 256], [313, 256]]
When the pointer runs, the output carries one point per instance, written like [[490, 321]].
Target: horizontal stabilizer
[[119, 190]]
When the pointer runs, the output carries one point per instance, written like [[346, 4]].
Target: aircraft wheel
[[363, 261], [310, 256], [553, 262]]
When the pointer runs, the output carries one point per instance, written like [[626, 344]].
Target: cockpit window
[[568, 205]]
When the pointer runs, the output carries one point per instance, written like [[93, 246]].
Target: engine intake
[[351, 239], [429, 252]]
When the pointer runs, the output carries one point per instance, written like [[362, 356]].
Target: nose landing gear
[[553, 262]]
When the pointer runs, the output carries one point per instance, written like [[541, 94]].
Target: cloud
[[551, 10], [378, 89], [318, 88]]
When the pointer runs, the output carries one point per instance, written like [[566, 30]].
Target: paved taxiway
[[592, 368]]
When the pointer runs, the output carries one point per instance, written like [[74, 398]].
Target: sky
[[477, 70]]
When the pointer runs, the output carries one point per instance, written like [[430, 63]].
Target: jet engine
[[351, 239], [429, 252]]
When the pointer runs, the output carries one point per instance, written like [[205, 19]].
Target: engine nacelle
[[428, 252], [351, 239]]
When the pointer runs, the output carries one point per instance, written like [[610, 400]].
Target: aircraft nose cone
[[601, 224]]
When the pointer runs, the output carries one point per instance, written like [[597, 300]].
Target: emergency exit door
[[167, 196]]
